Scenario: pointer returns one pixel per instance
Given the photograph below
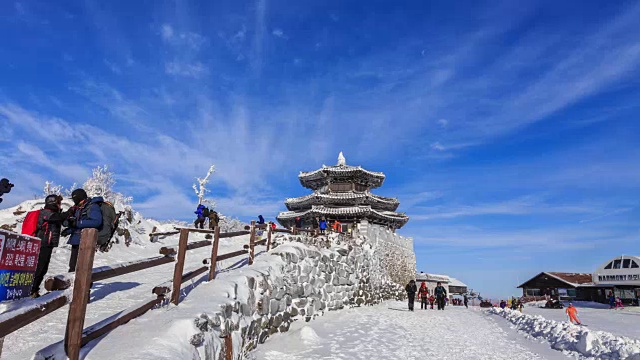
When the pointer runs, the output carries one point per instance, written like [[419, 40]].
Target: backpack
[[206, 212], [30, 223], [110, 221]]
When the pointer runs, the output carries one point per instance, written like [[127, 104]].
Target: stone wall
[[300, 279]]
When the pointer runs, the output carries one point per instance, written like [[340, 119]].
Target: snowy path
[[108, 297], [390, 332]]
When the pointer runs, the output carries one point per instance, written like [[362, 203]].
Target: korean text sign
[[18, 260]]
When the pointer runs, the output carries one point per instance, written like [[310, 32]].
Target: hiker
[[200, 219], [48, 229], [337, 226], [322, 225], [411, 289], [466, 301], [272, 225], [573, 314], [432, 299], [85, 214], [612, 300], [619, 303], [520, 305], [503, 304], [315, 224], [214, 219], [423, 293], [299, 222], [260, 220], [441, 293]]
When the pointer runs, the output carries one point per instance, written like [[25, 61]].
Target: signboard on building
[[18, 260]]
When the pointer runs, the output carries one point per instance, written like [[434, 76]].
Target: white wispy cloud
[[196, 70]]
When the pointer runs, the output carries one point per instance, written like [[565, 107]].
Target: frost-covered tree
[[68, 192], [51, 189], [201, 190], [100, 183]]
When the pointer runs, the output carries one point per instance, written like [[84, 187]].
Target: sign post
[[18, 261]]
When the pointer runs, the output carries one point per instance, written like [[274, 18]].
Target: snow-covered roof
[[571, 279], [350, 210], [350, 197], [318, 178], [456, 282], [432, 277]]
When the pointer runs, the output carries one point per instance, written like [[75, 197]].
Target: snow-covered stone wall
[[395, 251], [302, 278]]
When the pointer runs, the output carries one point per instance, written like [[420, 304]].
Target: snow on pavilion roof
[[318, 178], [340, 197], [348, 211]]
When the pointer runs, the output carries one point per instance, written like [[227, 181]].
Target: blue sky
[[508, 131]]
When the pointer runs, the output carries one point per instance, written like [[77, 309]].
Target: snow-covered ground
[[622, 322], [111, 296], [389, 331]]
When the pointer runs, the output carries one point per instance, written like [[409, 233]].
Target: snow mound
[[564, 336], [309, 336]]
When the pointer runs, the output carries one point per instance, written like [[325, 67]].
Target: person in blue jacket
[[86, 214], [323, 225], [260, 219], [200, 213]]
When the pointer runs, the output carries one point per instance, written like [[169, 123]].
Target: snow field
[[389, 331], [569, 338]]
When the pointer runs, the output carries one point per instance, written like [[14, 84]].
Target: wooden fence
[[76, 336]]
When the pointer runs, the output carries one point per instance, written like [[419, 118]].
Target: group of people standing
[[439, 295], [48, 223], [319, 223], [203, 214]]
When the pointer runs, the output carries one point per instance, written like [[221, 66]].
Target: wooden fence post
[[81, 288], [214, 254], [228, 347], [269, 238], [177, 272], [252, 242]]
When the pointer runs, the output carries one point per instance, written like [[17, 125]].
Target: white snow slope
[[389, 331], [574, 339]]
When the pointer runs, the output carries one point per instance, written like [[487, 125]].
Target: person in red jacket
[[423, 293], [432, 299]]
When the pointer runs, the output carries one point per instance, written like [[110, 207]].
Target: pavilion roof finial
[[341, 160]]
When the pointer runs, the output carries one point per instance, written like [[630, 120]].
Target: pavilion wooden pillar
[[177, 272]]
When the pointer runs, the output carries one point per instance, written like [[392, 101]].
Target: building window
[[533, 292], [571, 293], [626, 263], [361, 187], [609, 265], [634, 265], [617, 264]]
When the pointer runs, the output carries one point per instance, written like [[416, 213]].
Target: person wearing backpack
[[200, 219], [88, 214], [47, 229], [214, 219]]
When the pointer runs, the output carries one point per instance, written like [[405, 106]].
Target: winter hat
[[51, 200], [78, 195]]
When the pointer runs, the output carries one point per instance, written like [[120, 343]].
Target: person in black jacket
[[441, 294], [49, 227], [411, 289]]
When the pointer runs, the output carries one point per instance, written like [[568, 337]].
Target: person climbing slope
[[323, 225], [573, 314], [411, 289], [423, 293], [200, 217]]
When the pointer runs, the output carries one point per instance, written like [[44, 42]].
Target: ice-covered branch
[[200, 187]]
